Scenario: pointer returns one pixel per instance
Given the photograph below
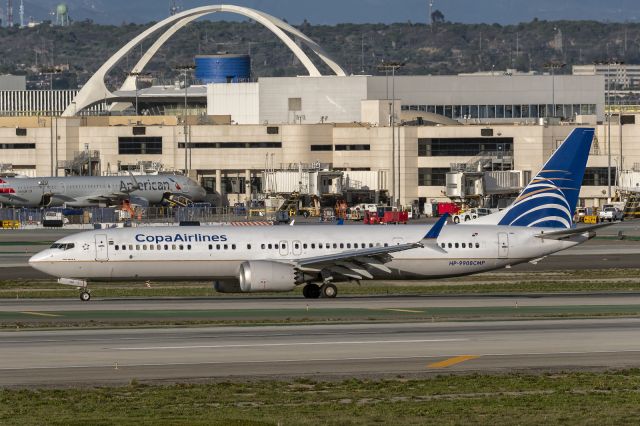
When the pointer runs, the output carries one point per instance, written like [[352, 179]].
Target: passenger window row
[[151, 247], [320, 246], [224, 246], [460, 245], [297, 246]]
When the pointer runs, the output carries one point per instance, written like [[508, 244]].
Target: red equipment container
[[395, 217], [451, 208], [371, 218]]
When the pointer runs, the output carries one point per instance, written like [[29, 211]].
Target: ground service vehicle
[[467, 215], [610, 214]]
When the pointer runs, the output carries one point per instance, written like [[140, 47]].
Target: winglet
[[434, 232]]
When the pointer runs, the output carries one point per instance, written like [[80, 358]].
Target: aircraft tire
[[329, 291], [85, 296], [311, 291]]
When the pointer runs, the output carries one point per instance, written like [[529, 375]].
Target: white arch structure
[[95, 89]]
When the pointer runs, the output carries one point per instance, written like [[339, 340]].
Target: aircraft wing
[[12, 197], [63, 198], [358, 263], [566, 233], [112, 198]]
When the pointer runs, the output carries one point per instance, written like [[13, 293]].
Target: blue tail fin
[[550, 198]]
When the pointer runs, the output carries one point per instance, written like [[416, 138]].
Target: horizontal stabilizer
[[566, 233]]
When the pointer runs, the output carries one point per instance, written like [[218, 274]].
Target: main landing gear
[[85, 296], [314, 291]]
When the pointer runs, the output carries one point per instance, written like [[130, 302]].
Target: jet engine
[[264, 275]]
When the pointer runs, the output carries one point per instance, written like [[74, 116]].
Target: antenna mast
[[9, 13], [173, 8]]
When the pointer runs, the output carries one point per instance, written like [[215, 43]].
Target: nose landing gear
[[85, 293]]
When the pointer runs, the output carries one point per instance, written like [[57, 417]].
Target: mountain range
[[348, 11]]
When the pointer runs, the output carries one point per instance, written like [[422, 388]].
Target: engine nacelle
[[264, 275]]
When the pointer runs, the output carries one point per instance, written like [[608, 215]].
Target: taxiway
[[92, 357]]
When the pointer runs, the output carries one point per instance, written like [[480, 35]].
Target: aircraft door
[[102, 247], [503, 245], [284, 248], [297, 248]]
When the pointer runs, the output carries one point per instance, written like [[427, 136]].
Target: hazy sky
[[357, 11]]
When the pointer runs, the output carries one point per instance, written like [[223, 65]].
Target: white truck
[[467, 215], [610, 213], [53, 219]]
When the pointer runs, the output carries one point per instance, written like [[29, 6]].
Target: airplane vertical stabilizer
[[550, 199]]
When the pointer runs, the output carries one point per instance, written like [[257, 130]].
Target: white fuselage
[[216, 252]]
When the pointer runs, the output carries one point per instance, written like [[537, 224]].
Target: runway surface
[[424, 302], [95, 357]]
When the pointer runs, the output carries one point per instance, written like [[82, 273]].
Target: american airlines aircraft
[[87, 191], [280, 258]]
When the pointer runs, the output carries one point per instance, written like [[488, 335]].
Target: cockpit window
[[63, 246]]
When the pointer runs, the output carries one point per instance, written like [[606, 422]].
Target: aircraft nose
[[39, 257]]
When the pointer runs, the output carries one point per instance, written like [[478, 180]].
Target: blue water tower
[[223, 68]]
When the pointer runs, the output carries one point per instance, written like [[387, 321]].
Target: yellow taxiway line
[[452, 361]]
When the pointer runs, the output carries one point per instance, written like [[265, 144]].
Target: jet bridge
[[485, 178]]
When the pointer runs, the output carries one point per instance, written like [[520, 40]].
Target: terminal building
[[410, 139]]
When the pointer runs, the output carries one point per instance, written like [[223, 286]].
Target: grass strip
[[605, 398]]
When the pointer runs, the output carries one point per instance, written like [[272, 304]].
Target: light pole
[[51, 71], [608, 63], [553, 66], [386, 67], [185, 69], [135, 75]]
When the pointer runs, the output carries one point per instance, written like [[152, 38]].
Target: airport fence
[[139, 215]]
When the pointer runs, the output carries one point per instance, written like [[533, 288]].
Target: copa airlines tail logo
[[543, 203]]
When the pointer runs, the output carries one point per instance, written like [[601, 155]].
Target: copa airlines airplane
[[279, 258], [87, 191]]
